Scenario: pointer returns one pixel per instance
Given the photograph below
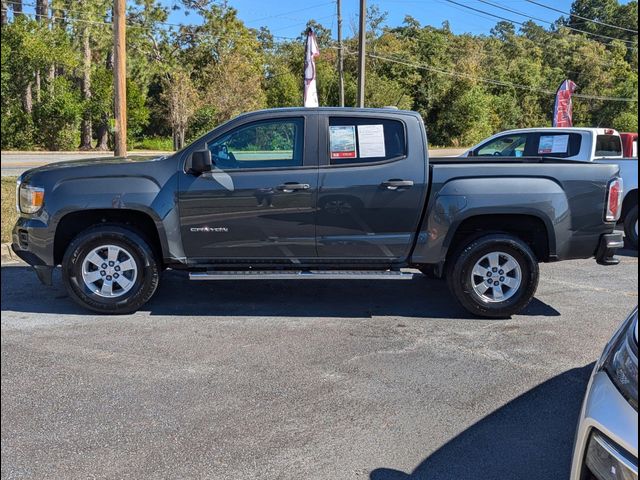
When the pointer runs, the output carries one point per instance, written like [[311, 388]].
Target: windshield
[[608, 146]]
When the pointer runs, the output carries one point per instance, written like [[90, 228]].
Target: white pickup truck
[[596, 145]]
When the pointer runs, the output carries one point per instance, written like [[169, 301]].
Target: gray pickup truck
[[315, 194]]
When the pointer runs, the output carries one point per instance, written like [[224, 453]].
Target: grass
[[164, 144], [8, 210]]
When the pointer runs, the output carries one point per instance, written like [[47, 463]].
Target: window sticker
[[371, 141], [553, 144], [343, 141]]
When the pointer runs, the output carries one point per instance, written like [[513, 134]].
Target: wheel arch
[[142, 222], [529, 227]]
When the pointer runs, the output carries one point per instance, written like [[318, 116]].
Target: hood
[[92, 164]]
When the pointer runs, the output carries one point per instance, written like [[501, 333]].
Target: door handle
[[398, 184], [293, 187]]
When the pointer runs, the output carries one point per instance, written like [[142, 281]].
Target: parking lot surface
[[304, 380]]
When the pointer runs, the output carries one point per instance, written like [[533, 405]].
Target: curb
[[7, 255]]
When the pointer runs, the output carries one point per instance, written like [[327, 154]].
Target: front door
[[258, 203]]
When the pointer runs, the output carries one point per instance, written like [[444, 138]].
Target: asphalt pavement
[[305, 380]]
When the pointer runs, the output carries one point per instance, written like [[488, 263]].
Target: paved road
[[318, 380], [13, 164]]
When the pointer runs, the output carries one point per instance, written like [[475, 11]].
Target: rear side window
[[365, 140], [558, 145], [608, 146]]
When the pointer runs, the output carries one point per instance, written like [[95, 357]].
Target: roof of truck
[[385, 110], [595, 131]]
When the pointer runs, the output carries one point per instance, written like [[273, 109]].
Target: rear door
[[259, 202], [372, 185]]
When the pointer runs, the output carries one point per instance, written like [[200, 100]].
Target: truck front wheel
[[110, 269], [494, 276]]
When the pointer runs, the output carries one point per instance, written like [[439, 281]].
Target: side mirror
[[201, 162]]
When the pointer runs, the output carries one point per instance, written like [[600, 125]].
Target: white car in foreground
[[606, 446]]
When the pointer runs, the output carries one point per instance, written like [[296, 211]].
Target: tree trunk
[[179, 134], [17, 7], [175, 139], [5, 6], [51, 76], [42, 10], [27, 99], [38, 86], [86, 131], [102, 130], [103, 136]]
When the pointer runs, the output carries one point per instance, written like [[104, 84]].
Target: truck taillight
[[614, 200]]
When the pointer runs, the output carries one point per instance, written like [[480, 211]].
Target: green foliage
[[57, 116], [137, 111], [203, 121], [182, 82], [162, 144]]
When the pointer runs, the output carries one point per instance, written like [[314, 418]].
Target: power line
[[496, 82], [279, 15], [502, 7], [477, 10], [591, 20], [168, 24]]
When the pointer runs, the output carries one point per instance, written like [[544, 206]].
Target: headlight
[[30, 199], [621, 361]]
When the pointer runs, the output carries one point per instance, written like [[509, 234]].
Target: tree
[[181, 99]]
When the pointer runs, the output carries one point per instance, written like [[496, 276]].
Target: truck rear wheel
[[110, 269], [494, 276], [631, 227]]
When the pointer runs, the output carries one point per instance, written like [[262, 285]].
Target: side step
[[301, 275]]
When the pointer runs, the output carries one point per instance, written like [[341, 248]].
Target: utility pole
[[363, 52], [340, 53], [120, 77]]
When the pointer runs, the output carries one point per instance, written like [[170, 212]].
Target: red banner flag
[[563, 112]]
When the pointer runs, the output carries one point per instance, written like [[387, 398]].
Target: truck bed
[[498, 160]]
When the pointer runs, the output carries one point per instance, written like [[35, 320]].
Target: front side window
[[507, 146], [266, 144], [354, 141]]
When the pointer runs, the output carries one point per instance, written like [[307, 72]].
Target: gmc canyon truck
[[330, 194]]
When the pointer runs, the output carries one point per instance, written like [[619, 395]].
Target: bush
[[57, 117], [164, 144]]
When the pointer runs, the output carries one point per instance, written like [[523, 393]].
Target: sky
[[287, 18]]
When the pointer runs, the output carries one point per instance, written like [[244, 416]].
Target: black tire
[[630, 227], [460, 279], [143, 285]]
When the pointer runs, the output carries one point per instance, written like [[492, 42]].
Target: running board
[[301, 275]]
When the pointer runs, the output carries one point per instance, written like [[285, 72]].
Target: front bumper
[[607, 437], [609, 245], [33, 242]]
